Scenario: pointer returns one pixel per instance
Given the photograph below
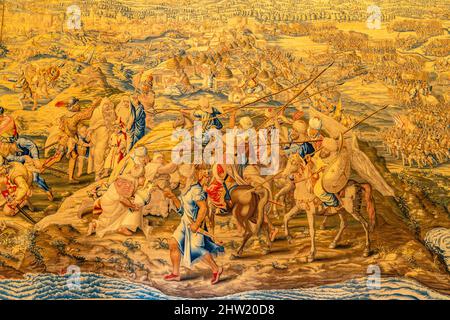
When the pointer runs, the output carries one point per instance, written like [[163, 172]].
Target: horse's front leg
[[287, 218], [247, 235], [342, 226], [323, 225], [312, 232]]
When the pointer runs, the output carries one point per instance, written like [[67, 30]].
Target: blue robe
[[302, 149], [193, 246], [137, 130]]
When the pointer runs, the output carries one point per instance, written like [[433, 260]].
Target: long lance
[[248, 103], [261, 145], [354, 126], [282, 109], [346, 131], [53, 169], [365, 118], [297, 94]]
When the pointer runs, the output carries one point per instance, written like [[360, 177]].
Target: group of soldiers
[[420, 137]]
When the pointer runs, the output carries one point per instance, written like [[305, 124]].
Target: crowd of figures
[[420, 137]]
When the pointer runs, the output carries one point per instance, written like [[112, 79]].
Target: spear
[[297, 94], [3, 22]]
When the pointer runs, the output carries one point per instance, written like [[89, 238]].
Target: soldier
[[209, 117], [314, 131], [25, 151], [321, 161], [15, 186], [27, 93], [299, 133]]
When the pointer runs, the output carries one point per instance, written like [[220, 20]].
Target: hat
[[140, 152], [315, 123], [246, 123], [299, 126]]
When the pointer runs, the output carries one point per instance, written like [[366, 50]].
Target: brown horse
[[247, 205]]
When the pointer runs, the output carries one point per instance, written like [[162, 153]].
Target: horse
[[349, 197], [248, 205]]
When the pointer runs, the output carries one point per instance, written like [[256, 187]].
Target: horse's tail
[[264, 195], [370, 204]]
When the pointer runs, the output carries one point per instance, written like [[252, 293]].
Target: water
[[94, 286]]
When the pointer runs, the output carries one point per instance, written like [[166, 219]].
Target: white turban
[[246, 123], [315, 123]]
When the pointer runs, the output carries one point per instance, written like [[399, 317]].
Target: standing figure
[[26, 94], [83, 146], [209, 117], [190, 242], [117, 148], [100, 125], [136, 125]]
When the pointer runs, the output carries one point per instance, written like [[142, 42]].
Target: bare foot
[[91, 228]]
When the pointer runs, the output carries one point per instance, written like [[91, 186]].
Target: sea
[[95, 286]]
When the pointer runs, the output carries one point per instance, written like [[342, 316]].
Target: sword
[[205, 233], [25, 215]]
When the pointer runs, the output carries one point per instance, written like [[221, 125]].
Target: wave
[[438, 241], [94, 286]]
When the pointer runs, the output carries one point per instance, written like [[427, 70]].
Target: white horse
[[305, 200]]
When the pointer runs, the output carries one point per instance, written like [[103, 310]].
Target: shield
[[336, 175]]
